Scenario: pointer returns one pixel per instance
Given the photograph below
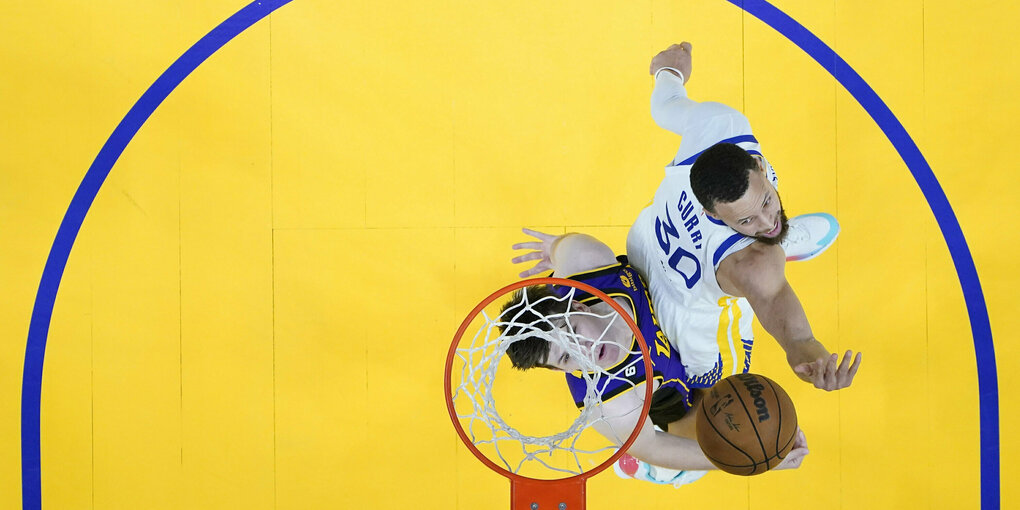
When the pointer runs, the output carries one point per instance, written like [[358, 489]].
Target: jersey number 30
[[682, 261]]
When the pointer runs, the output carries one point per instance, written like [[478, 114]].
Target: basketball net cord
[[484, 424]]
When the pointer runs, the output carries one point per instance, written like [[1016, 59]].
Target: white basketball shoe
[[809, 236], [629, 467]]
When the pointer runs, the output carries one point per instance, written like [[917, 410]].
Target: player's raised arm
[[565, 254], [758, 273], [671, 69], [700, 123]]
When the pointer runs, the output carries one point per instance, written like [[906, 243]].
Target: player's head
[[732, 186], [536, 307]]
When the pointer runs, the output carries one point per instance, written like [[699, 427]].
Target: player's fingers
[[534, 233], [535, 255], [831, 370], [818, 371], [800, 441], [843, 373], [800, 453], [530, 245], [848, 376], [844, 365], [533, 271], [794, 457], [825, 374], [855, 366]]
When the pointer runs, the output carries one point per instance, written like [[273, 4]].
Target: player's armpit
[[759, 271]]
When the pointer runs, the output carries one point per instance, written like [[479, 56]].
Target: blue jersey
[[622, 281]]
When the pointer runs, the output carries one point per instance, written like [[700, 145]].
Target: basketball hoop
[[477, 368]]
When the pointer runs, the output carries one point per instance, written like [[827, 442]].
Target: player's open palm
[[542, 252], [826, 375]]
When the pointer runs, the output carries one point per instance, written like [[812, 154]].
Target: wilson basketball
[[746, 424]]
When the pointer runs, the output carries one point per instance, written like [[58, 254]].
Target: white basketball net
[[483, 423]]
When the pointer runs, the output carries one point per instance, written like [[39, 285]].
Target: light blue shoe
[[809, 236], [655, 474]]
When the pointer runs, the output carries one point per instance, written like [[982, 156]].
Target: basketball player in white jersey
[[666, 443], [709, 244]]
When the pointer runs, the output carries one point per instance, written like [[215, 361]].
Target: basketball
[[746, 424]]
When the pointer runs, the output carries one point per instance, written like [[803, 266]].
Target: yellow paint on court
[[257, 310]]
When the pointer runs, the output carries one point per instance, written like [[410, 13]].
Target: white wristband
[[675, 70]]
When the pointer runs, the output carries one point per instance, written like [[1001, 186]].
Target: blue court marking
[[42, 312], [984, 349]]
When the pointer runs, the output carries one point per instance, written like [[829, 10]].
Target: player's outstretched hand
[[797, 454], [542, 252], [824, 373], [677, 56]]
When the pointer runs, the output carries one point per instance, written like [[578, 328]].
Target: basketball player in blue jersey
[[711, 244], [667, 436]]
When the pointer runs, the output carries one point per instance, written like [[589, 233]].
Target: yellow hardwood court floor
[[256, 310]]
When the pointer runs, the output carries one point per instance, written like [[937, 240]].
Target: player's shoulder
[[758, 256], [755, 267]]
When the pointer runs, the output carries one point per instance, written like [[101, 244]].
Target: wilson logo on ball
[[746, 424], [755, 388]]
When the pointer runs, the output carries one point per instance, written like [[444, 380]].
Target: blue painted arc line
[[984, 348], [42, 312], [255, 11]]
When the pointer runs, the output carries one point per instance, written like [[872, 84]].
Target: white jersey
[[678, 248]]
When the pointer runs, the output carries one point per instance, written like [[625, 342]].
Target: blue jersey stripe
[[725, 246]]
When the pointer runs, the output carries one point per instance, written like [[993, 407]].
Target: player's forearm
[[669, 451], [783, 317], [670, 104]]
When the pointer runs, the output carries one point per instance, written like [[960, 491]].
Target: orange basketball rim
[[566, 493]]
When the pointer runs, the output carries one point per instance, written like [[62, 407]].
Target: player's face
[[759, 213], [584, 334]]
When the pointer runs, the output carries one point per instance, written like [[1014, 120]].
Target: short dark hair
[[542, 304], [720, 174]]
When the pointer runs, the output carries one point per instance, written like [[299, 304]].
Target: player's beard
[[783, 230]]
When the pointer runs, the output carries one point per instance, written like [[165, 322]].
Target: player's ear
[[579, 306]]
